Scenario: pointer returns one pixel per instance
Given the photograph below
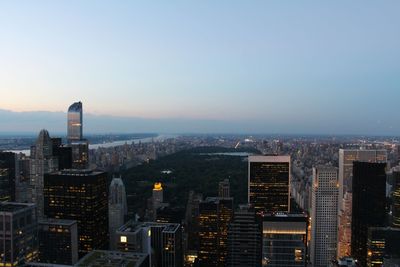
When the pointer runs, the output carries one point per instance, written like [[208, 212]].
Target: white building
[[117, 208], [324, 195]]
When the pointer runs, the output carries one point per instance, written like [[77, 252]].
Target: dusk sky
[[279, 66]]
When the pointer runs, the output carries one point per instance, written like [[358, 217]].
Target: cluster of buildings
[[59, 209]]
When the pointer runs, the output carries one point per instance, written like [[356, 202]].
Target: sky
[[262, 66]]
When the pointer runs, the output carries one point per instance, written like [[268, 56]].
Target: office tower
[[7, 176], [244, 239], [215, 214], [192, 222], [80, 154], [161, 241], [42, 162], [62, 153], [369, 204], [105, 258], [169, 214], [75, 122], [22, 179], [223, 188], [18, 233], [58, 241], [269, 179], [325, 194], [158, 197], [396, 198], [383, 242], [117, 208], [284, 240], [346, 159], [80, 195]]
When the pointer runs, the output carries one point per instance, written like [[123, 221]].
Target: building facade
[[269, 183], [117, 208], [75, 122], [7, 176]]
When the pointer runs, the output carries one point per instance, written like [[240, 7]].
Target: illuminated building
[[244, 239], [369, 205], [383, 242], [22, 179], [104, 258], [215, 214], [75, 123], [269, 180], [324, 215], [161, 241], [117, 208], [80, 154], [42, 161], [284, 240], [58, 241], [158, 197], [80, 195], [18, 233], [223, 188], [346, 159], [7, 176], [396, 198]]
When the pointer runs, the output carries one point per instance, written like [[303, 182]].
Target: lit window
[[123, 239]]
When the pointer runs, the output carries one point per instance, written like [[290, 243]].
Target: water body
[[115, 143]]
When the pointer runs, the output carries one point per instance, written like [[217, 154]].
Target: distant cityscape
[[311, 200]]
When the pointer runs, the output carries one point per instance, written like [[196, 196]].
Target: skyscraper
[[369, 204], [75, 123], [268, 181], [215, 214], [58, 241], [396, 198], [18, 233], [117, 208], [158, 196], [7, 176], [42, 161], [383, 242], [325, 194], [284, 240], [80, 195], [346, 159], [244, 239]]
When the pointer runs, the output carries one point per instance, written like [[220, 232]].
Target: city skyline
[[268, 67]]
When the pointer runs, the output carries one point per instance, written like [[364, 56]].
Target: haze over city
[[227, 66]]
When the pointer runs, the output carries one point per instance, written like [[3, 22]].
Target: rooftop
[[51, 221], [14, 207], [102, 258]]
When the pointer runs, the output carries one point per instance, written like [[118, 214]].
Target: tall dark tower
[[75, 123], [369, 204], [268, 181], [7, 176], [80, 195]]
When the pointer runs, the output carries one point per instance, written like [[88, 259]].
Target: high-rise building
[[284, 240], [75, 123], [7, 176], [223, 188], [18, 233], [58, 241], [42, 161], [80, 195], [369, 205], [106, 258], [325, 194], [396, 198], [269, 180], [80, 154], [158, 195], [383, 242], [215, 214], [117, 208], [22, 179], [244, 239], [161, 241], [62, 153], [346, 159]]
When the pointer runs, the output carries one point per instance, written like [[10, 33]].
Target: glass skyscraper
[[75, 123]]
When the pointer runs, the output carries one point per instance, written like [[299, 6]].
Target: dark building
[[383, 242], [170, 214], [396, 198], [18, 234], [369, 204], [63, 153], [80, 154], [268, 181], [215, 214], [58, 241], [7, 176], [244, 239], [80, 195], [285, 240]]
